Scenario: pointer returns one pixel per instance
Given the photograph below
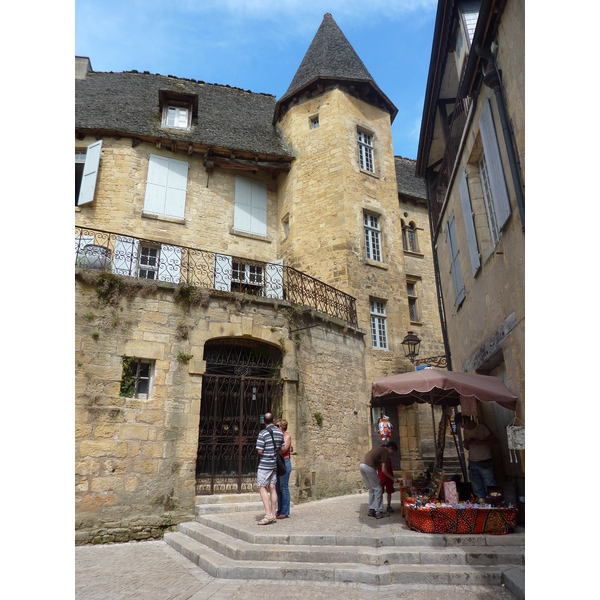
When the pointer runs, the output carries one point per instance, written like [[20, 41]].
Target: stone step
[[227, 503], [220, 566], [203, 509], [228, 498], [267, 535], [238, 549]]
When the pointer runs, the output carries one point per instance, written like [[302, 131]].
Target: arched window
[[409, 237]]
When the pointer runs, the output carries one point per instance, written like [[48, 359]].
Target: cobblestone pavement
[[155, 571]]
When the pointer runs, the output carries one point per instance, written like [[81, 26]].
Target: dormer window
[[177, 109], [177, 116]]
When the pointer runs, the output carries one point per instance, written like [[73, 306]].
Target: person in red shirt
[[387, 483]]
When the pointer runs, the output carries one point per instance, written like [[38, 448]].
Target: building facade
[[236, 255], [472, 155]]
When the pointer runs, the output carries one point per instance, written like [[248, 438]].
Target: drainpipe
[[492, 80]]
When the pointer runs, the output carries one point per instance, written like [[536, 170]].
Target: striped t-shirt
[[268, 459]]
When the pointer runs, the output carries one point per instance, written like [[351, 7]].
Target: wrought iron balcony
[[438, 185], [147, 259]]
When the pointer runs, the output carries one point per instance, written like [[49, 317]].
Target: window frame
[[148, 268], [366, 151], [139, 377], [178, 106], [246, 278], [413, 300], [373, 250], [410, 241], [378, 314], [313, 122]]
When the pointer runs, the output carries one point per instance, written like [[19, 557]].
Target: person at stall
[[478, 439], [373, 460]]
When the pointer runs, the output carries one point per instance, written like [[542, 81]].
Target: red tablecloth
[[460, 520]]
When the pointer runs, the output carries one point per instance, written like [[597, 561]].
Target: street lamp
[[411, 345]]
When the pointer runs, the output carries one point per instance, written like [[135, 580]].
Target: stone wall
[[135, 458], [209, 208]]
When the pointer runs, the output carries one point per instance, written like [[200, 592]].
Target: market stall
[[421, 507]]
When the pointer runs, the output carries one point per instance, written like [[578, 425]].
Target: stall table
[[496, 521]]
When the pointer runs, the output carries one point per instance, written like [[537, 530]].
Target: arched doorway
[[240, 385]]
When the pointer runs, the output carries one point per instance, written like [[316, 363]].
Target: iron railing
[[438, 186], [147, 259]]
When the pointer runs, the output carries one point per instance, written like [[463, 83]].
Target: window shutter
[[81, 241], [223, 272], [242, 219], [250, 212], [176, 188], [259, 208], [125, 256], [156, 184], [494, 165], [275, 279], [455, 266], [169, 263], [90, 173], [469, 225]]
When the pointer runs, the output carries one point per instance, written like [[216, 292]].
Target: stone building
[[236, 254], [472, 155]]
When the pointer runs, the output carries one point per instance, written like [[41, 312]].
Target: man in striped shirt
[[266, 477]]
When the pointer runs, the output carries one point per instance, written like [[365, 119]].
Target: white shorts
[[264, 478]]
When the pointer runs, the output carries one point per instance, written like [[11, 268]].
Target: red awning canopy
[[435, 386]]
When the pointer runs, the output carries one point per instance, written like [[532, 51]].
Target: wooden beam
[[249, 165]]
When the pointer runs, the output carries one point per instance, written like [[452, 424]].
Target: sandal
[[266, 520]]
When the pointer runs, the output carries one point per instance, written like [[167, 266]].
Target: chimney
[[82, 67]]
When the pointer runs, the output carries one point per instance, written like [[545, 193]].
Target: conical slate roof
[[330, 56]]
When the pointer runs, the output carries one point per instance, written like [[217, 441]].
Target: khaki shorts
[[264, 478]]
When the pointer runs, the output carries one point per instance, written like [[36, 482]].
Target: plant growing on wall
[[128, 378], [182, 357], [318, 418], [191, 295]]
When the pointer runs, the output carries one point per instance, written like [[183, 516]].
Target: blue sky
[[258, 44]]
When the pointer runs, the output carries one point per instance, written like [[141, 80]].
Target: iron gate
[[234, 398]]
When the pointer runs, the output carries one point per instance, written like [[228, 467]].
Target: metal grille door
[[230, 421]]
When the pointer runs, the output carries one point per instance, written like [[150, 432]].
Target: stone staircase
[[342, 546], [226, 503]]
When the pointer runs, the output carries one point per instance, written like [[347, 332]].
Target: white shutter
[[242, 219], [125, 256], [455, 266], [494, 165], [469, 225], [223, 272], [90, 173], [169, 263], [176, 188], [259, 208], [156, 184], [275, 279], [81, 241]]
